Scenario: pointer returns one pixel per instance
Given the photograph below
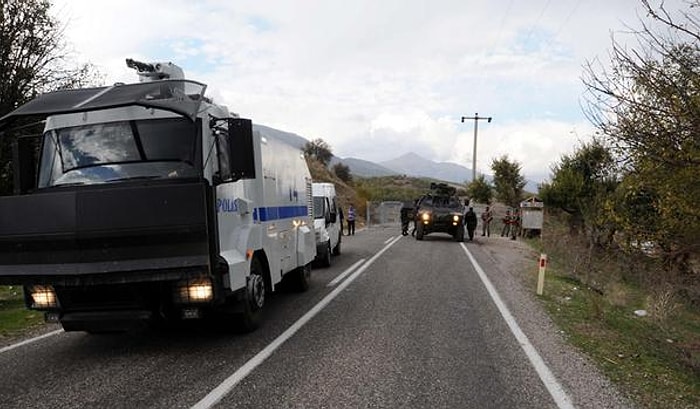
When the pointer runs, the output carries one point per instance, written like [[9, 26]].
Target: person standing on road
[[506, 224], [351, 220], [515, 224], [414, 216], [470, 221], [486, 218]]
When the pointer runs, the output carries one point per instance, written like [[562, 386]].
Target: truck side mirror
[[241, 151], [24, 163], [333, 217]]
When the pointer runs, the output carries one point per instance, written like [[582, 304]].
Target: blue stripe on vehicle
[[266, 214]]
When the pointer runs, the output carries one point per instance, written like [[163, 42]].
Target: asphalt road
[[413, 328]]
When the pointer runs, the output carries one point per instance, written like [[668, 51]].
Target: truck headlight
[[425, 217], [455, 220], [43, 296], [194, 291]]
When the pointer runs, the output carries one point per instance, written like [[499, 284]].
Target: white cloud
[[375, 79]]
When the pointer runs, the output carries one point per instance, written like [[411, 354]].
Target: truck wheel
[[326, 260], [302, 278], [459, 234], [419, 232], [336, 249], [253, 298]]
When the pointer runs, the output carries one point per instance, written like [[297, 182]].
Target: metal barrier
[[384, 214]]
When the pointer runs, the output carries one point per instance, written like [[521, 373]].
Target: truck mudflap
[[306, 245], [129, 232]]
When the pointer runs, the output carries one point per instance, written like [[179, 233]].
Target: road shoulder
[[510, 267]]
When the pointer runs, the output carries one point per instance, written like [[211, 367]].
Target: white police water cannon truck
[[146, 202]]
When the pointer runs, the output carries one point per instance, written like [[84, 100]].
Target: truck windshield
[[116, 151]]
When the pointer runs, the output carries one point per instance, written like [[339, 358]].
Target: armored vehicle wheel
[[459, 234], [419, 232]]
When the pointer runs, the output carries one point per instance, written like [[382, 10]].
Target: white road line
[[550, 382], [29, 341], [345, 273], [229, 383], [389, 239]]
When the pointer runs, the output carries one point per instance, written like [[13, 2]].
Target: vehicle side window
[[222, 153], [50, 161]]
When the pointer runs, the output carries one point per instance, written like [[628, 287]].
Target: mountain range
[[410, 164]]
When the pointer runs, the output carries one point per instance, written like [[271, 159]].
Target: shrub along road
[[415, 328]]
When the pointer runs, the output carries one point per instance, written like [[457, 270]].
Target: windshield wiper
[[67, 184], [132, 178]]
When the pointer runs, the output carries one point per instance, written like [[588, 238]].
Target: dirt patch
[[510, 255]]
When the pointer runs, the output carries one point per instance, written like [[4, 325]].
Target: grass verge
[[656, 362], [14, 317]]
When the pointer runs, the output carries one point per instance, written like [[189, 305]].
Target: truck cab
[[327, 222]]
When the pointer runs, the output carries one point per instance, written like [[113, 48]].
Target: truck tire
[[336, 249], [419, 232], [326, 256], [254, 298], [302, 278]]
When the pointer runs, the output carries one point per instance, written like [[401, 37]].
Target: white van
[[326, 222]]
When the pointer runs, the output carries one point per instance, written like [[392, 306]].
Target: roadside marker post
[[540, 278]]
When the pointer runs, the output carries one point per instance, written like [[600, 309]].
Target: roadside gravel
[[513, 263]]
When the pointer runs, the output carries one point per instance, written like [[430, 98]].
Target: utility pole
[[476, 119]]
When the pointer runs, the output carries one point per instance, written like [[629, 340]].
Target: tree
[[647, 106], [343, 172], [33, 59], [581, 184], [318, 149], [480, 190], [507, 180]]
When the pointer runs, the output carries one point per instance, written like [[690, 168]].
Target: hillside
[[410, 164], [346, 193]]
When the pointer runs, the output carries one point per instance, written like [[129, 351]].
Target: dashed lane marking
[[345, 273]]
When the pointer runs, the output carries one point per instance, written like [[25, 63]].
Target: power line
[[532, 28], [500, 27]]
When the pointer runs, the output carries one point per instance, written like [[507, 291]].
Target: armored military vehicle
[[440, 211]]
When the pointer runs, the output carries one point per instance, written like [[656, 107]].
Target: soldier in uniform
[[515, 224], [486, 218], [406, 217], [470, 221], [506, 224]]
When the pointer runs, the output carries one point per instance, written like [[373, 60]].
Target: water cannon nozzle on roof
[[156, 71]]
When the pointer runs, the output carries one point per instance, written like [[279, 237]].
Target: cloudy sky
[[377, 79]]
